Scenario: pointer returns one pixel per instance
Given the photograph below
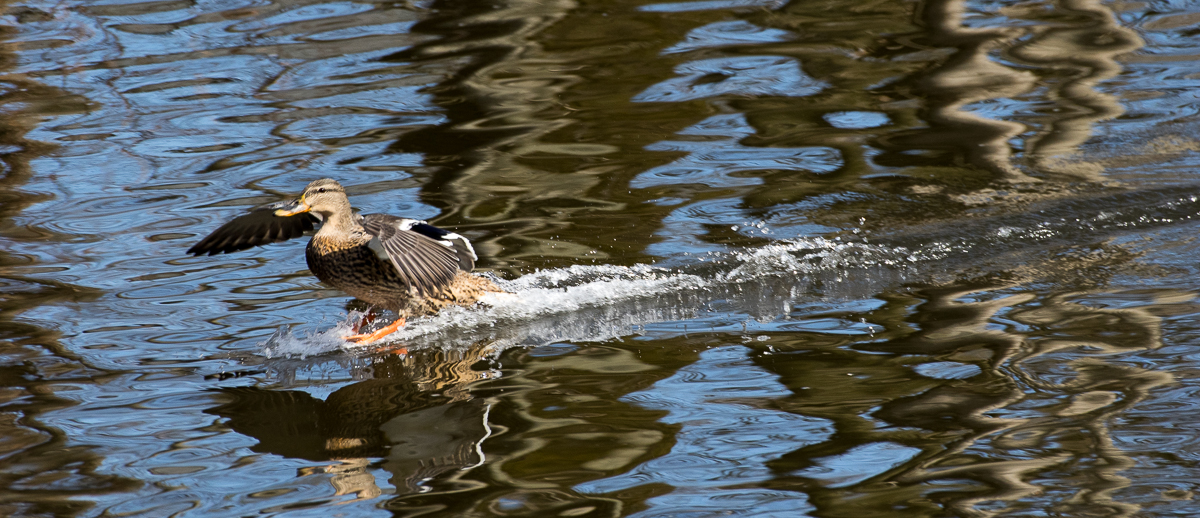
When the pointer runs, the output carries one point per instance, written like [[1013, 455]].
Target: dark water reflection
[[819, 258]]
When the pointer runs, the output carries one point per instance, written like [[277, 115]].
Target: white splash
[[600, 302], [287, 344]]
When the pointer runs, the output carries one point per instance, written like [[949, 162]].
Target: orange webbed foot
[[367, 339]]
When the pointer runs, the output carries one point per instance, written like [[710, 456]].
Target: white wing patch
[[464, 250]]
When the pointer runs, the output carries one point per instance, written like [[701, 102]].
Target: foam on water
[[600, 302], [287, 343]]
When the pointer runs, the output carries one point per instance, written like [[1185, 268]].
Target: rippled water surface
[[835, 258]]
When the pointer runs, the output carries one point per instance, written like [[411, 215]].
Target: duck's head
[[324, 197]]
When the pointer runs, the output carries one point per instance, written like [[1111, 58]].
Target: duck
[[399, 264]]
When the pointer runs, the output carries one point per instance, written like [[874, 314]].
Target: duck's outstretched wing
[[462, 247], [259, 227], [425, 264]]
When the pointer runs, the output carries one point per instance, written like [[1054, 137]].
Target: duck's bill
[[293, 208]]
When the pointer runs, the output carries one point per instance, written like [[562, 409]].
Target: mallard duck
[[400, 264]]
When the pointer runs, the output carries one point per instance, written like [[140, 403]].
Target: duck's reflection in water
[[414, 418]]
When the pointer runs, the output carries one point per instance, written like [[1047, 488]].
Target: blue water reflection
[[715, 162], [728, 33], [755, 75], [880, 258], [729, 432]]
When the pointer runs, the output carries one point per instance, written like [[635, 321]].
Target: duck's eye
[[321, 189]]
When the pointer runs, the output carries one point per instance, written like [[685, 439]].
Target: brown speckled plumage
[[350, 265], [395, 263]]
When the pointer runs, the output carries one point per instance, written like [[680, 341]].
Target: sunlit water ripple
[[763, 259]]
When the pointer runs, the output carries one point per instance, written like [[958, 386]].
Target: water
[[868, 258]]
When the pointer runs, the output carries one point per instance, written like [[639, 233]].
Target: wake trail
[[589, 303]]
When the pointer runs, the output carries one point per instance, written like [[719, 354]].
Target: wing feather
[[424, 264], [462, 247], [258, 227]]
